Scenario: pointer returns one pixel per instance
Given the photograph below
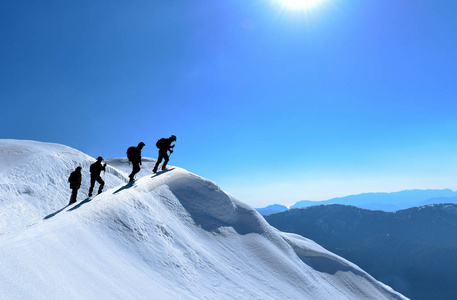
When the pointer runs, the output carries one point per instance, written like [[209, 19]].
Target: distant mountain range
[[378, 201], [414, 250], [271, 209]]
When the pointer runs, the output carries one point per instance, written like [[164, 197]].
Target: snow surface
[[122, 164], [172, 235], [33, 180]]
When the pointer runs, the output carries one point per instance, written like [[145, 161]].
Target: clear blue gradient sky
[[275, 105]]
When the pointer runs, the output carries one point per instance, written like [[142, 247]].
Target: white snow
[[173, 235], [33, 180], [122, 164]]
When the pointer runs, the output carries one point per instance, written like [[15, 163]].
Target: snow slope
[[173, 235], [33, 180], [122, 164]]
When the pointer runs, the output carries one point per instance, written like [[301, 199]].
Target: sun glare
[[300, 4]]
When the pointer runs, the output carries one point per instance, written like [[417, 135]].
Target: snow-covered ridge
[[172, 235], [33, 180]]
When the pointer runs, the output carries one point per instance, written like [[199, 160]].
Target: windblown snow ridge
[[172, 235]]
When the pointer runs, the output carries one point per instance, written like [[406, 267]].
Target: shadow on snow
[[128, 185], [55, 213], [79, 204]]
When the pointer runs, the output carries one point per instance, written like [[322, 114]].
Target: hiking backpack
[[72, 178], [130, 153], [161, 143]]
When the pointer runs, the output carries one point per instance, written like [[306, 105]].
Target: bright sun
[[300, 4]]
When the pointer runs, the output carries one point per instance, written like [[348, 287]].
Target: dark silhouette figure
[[164, 146], [75, 184], [95, 169], [134, 156]]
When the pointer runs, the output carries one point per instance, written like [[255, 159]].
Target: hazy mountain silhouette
[[388, 201], [438, 200], [271, 209]]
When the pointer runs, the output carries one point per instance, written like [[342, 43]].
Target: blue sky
[[273, 104]]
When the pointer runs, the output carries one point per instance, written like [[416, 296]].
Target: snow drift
[[172, 235]]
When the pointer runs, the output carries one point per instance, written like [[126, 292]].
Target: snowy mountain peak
[[166, 236]]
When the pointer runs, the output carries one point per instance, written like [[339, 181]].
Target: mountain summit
[[171, 235]]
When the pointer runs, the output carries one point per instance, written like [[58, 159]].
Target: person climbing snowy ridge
[[134, 156], [164, 146], [95, 169], [75, 183]]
